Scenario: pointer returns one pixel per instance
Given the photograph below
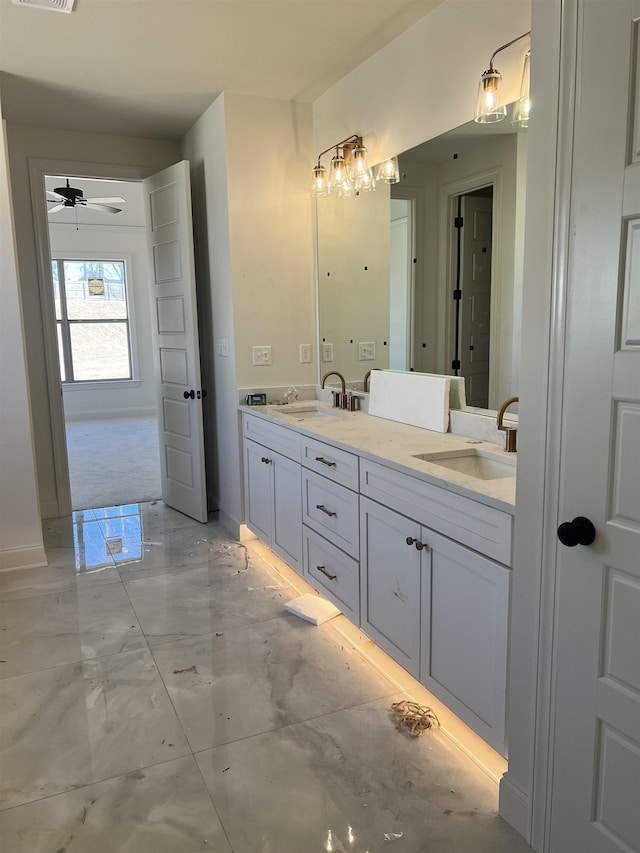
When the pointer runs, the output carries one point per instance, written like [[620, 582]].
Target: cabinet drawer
[[332, 462], [332, 511], [332, 572], [483, 528], [279, 438]]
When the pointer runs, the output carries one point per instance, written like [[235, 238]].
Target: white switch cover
[[327, 352], [223, 347], [261, 356], [366, 351], [305, 353]]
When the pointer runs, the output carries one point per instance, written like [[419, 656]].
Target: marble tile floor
[[156, 698]]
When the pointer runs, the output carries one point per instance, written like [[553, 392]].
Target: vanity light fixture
[[489, 105], [349, 172], [522, 108], [388, 171]]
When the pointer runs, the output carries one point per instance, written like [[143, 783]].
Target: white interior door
[[175, 333], [595, 804], [475, 306]]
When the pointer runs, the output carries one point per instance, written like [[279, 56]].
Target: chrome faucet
[[339, 397], [511, 432]]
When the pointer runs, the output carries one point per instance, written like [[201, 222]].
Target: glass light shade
[[320, 187], [488, 103], [338, 183], [388, 171], [337, 173], [358, 169], [522, 107]]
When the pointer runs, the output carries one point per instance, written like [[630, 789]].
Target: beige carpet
[[113, 462]]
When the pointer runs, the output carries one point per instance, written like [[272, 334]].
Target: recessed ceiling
[[151, 67]]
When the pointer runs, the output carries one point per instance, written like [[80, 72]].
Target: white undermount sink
[[480, 464], [313, 410]]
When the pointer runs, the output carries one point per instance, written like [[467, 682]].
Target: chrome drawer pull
[[325, 572], [326, 511], [324, 462]]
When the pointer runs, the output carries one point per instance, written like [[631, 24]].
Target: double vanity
[[407, 531]]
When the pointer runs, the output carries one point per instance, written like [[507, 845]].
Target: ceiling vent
[[52, 5]]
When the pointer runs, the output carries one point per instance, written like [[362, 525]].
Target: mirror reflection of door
[[473, 292], [401, 285]]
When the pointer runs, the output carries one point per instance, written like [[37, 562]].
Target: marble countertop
[[396, 445]]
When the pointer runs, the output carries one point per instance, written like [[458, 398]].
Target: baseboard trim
[[49, 509], [30, 557], [109, 414], [515, 807], [231, 524]]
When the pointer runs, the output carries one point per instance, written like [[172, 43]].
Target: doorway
[[470, 288], [99, 275]]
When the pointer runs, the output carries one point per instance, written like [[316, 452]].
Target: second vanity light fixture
[[349, 172], [489, 104]]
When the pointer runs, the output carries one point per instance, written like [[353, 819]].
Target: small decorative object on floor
[[416, 717]]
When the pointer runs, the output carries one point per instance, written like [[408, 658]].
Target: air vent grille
[[51, 5]]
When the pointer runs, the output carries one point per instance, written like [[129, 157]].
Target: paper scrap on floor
[[312, 608]]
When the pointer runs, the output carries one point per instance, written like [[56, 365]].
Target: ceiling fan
[[69, 196]]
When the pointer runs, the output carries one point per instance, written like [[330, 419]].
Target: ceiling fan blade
[[51, 196], [105, 208], [56, 208], [114, 199]]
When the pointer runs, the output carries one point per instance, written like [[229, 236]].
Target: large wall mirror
[[426, 274]]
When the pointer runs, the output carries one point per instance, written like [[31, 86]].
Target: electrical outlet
[[367, 351], [305, 353], [327, 352], [261, 356]]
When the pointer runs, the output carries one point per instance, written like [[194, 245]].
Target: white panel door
[[176, 347], [596, 759]]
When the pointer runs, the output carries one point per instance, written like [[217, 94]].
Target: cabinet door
[[257, 490], [391, 583], [287, 510], [464, 635]]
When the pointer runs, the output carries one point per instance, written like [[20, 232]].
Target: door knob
[[580, 531], [190, 395]]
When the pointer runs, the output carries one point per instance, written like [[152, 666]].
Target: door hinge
[[457, 295], [455, 364], [458, 222]]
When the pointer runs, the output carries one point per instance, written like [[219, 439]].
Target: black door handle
[[580, 531], [190, 395]]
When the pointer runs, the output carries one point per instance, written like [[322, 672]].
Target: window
[[92, 320]]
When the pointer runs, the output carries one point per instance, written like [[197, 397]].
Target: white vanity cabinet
[[439, 608], [331, 529], [272, 485]]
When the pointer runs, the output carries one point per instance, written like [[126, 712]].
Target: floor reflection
[[102, 536]]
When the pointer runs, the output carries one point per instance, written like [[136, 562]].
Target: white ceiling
[[151, 67]]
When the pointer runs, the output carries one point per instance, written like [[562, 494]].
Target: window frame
[[64, 323]]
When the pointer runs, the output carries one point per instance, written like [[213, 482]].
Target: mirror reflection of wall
[[476, 173]]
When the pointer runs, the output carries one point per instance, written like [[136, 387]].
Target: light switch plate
[[327, 352], [261, 356], [366, 351], [305, 353]]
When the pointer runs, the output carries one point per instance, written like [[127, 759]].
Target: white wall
[[111, 236], [146, 156], [425, 81], [20, 528], [254, 264]]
